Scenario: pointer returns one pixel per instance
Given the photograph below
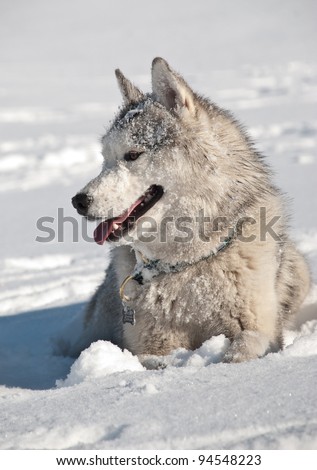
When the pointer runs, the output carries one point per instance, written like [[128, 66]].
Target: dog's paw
[[234, 356], [152, 362], [246, 346]]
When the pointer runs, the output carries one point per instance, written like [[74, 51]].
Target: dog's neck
[[176, 256], [157, 266], [145, 269]]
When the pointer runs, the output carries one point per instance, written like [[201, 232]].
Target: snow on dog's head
[[171, 159], [143, 156]]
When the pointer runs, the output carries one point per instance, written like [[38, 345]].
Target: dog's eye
[[132, 155]]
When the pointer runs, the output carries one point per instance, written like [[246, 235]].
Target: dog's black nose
[[81, 202]]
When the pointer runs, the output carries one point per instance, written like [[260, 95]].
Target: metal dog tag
[[128, 315]]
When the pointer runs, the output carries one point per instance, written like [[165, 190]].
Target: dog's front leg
[[260, 326]]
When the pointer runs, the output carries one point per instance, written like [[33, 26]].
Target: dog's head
[[161, 162]]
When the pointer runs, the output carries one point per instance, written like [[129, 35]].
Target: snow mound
[[305, 342], [210, 352], [104, 358], [100, 359]]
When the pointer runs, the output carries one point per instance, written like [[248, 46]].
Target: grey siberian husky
[[198, 229]]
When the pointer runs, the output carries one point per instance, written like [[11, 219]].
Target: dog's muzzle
[[82, 202]]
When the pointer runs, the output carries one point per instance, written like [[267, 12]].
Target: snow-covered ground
[[57, 92]]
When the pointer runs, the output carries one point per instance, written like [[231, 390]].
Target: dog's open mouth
[[113, 229]]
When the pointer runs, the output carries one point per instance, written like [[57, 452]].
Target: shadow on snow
[[28, 342]]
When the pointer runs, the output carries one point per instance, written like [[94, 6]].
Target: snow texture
[[100, 359], [58, 91]]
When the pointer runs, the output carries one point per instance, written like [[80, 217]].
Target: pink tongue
[[105, 228], [103, 231]]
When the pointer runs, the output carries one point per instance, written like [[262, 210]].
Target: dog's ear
[[171, 90], [129, 91]]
